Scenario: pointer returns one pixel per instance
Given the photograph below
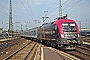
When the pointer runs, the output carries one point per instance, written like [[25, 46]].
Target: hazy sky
[[27, 12]]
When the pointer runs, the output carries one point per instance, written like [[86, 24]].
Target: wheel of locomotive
[[53, 44], [42, 42], [58, 43]]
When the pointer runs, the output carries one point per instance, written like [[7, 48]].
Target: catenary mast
[[60, 9], [10, 18]]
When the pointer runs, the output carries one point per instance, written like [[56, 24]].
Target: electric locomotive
[[62, 33]]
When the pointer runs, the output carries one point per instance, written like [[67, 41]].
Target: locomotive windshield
[[69, 27]]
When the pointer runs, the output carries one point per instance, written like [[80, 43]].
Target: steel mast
[[60, 9], [10, 18]]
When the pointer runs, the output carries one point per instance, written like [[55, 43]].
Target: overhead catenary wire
[[3, 8], [67, 5], [3, 14], [54, 7], [30, 8], [52, 4], [73, 6], [65, 2], [49, 8], [83, 3], [78, 6], [27, 10], [53, 10], [57, 7]]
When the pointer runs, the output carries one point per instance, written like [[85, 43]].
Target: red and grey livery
[[62, 33]]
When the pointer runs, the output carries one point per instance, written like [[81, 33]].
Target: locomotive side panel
[[49, 32]]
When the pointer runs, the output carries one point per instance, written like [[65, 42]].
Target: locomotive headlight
[[78, 35], [62, 35]]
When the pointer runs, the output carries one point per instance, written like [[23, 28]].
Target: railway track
[[87, 46], [30, 51], [81, 52], [2, 38], [8, 47], [38, 55], [24, 53], [7, 44], [86, 39]]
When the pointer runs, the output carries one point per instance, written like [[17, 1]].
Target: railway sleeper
[[82, 58], [83, 52]]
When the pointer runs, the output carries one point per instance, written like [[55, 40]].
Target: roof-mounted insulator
[[61, 17]]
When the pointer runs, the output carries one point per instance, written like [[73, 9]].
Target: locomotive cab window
[[65, 26], [69, 27], [72, 27]]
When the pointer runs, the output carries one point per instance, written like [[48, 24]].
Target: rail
[[22, 49], [81, 52]]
